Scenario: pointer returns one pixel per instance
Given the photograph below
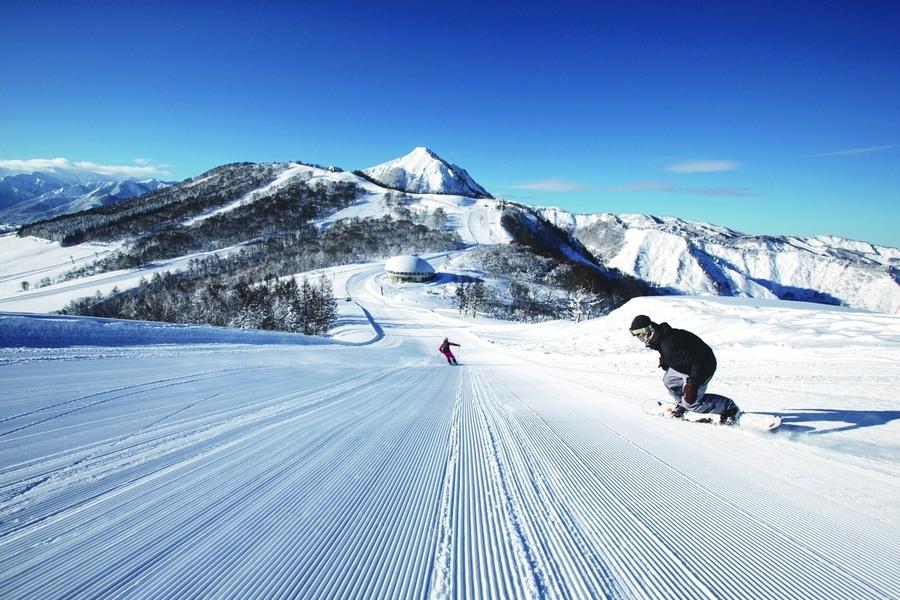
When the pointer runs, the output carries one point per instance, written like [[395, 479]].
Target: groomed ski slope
[[368, 468]]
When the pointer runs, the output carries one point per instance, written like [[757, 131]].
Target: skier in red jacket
[[444, 349]]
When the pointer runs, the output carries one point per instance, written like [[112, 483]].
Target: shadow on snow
[[795, 422]]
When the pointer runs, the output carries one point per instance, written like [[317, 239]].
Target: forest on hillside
[[251, 288]]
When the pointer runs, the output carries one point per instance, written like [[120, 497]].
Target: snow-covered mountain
[[28, 197], [233, 204], [691, 257], [424, 172]]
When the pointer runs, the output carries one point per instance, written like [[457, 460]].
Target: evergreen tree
[[477, 296], [306, 304], [326, 312], [461, 296]]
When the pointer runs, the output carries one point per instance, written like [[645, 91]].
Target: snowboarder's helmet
[[642, 328], [640, 322]]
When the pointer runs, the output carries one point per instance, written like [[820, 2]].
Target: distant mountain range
[[692, 257], [673, 255], [27, 197]]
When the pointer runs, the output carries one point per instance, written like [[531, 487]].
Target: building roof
[[407, 264]]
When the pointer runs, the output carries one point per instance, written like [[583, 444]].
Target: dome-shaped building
[[408, 268]]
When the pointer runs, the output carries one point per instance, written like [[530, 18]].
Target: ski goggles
[[643, 334]]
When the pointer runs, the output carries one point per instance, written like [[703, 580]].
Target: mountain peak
[[422, 171]]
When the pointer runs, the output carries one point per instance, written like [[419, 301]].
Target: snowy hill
[[207, 463], [220, 213], [40, 195], [424, 172], [699, 258]]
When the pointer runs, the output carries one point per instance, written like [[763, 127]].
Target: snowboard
[[749, 421]]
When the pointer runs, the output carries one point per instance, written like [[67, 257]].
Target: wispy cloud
[[703, 166], [550, 185], [856, 151], [143, 167], [645, 186], [664, 186], [732, 192]]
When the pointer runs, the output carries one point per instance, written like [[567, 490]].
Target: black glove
[[689, 391], [663, 365]]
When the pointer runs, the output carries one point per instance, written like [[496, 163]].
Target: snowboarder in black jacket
[[689, 365]]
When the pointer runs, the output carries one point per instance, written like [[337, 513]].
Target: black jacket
[[683, 351]]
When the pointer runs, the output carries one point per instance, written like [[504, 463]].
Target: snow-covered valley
[[143, 460]]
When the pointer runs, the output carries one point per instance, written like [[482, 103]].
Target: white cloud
[[126, 170], [141, 168], [35, 164], [855, 151], [703, 166], [550, 185], [664, 186]]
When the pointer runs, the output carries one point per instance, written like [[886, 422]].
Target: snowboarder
[[445, 350], [689, 365]]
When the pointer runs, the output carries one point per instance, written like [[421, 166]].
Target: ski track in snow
[[378, 471]]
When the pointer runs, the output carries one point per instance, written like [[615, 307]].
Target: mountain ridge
[[693, 257]]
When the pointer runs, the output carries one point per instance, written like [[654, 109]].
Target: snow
[[477, 221], [40, 258], [31, 259], [142, 460], [663, 259]]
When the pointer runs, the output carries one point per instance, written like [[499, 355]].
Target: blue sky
[[771, 118]]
